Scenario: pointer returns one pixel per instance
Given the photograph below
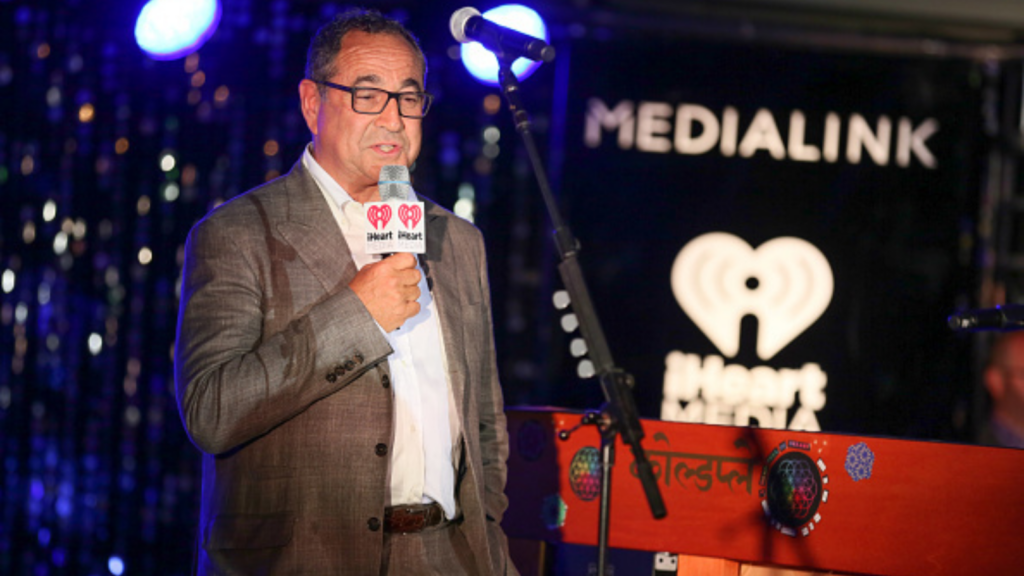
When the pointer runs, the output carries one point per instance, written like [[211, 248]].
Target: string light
[[171, 192], [95, 343], [60, 243], [86, 113], [220, 96]]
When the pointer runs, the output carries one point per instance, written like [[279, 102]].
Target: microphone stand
[[618, 414]]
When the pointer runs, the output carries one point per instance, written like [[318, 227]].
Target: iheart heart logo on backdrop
[[718, 279], [379, 215]]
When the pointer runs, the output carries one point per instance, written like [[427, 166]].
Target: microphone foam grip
[[394, 183]]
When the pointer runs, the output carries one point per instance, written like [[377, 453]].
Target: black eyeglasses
[[374, 100]]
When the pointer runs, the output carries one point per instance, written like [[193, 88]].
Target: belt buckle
[[406, 520]]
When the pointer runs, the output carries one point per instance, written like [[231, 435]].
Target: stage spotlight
[[483, 65], [169, 29]]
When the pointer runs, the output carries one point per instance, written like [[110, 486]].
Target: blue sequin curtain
[[106, 160]]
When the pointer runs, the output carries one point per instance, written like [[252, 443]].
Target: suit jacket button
[[373, 524], [385, 381], [381, 450], [332, 377]]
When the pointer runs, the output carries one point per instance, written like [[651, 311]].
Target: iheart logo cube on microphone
[[387, 235], [379, 216], [410, 215]]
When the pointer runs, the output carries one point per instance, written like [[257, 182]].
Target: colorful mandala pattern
[[794, 489], [585, 473], [859, 461]]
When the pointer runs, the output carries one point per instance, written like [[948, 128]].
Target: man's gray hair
[[326, 43]]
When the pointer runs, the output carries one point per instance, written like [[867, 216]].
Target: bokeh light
[[170, 29]]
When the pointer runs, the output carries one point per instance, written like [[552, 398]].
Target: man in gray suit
[[348, 408]]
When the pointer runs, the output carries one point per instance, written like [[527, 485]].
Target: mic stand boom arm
[[619, 412]]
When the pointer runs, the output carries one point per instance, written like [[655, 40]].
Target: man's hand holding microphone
[[389, 288]]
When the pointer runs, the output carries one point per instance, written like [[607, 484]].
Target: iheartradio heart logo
[[718, 279], [410, 215], [379, 215]]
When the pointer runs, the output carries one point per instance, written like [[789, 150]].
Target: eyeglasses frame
[[428, 98]]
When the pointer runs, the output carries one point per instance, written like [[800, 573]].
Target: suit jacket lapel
[[313, 232], [444, 276]]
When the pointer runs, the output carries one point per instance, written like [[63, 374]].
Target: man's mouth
[[386, 147]]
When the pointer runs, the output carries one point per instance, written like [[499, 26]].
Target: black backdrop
[[897, 238]]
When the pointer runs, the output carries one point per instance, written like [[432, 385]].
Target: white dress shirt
[[426, 423]]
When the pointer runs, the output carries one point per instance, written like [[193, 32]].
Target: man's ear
[[309, 102], [994, 382]]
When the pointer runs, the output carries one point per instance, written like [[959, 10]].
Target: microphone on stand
[[467, 25], [1005, 317]]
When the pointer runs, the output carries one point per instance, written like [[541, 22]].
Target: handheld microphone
[[393, 183], [394, 224], [1005, 317], [467, 25]]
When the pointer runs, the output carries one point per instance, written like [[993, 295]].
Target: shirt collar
[[324, 179]]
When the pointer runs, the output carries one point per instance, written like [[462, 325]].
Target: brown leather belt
[[412, 517]]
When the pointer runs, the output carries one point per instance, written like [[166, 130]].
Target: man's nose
[[390, 118]]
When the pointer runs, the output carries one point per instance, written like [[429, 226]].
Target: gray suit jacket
[[282, 383]]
